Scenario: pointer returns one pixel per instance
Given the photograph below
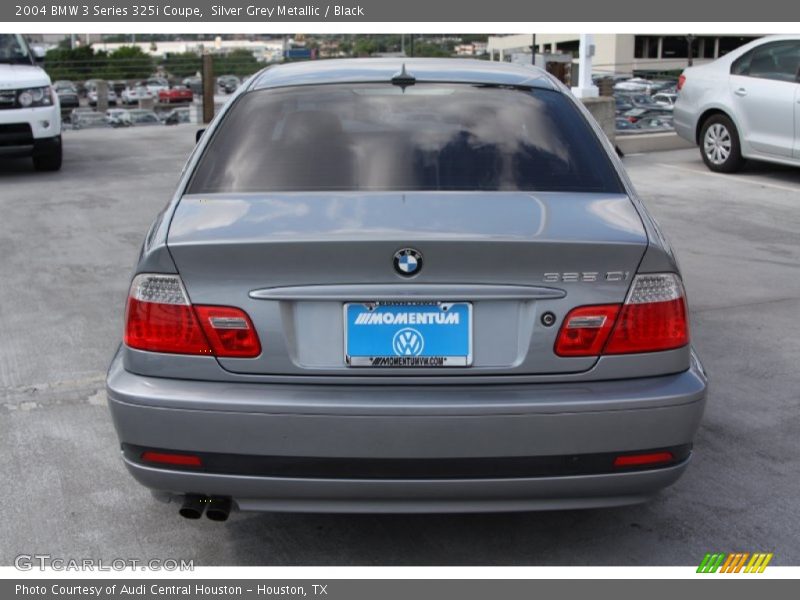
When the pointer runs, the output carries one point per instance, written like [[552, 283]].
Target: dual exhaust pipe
[[217, 508]]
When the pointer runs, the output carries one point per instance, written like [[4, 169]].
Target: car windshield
[[13, 50], [370, 137]]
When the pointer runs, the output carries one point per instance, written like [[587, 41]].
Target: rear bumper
[[407, 424], [685, 123]]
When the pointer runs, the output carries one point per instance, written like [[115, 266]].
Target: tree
[[80, 63], [239, 61], [183, 64], [129, 62]]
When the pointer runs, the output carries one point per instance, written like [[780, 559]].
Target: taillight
[[229, 330], [160, 318], [653, 318], [681, 81], [585, 330]]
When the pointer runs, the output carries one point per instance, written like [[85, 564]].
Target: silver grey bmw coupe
[[405, 286]]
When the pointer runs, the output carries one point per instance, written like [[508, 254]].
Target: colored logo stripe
[[733, 563]]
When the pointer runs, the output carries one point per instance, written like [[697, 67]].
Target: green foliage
[[183, 64], [78, 64], [240, 62], [129, 62]]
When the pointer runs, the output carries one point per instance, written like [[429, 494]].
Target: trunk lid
[[292, 261]]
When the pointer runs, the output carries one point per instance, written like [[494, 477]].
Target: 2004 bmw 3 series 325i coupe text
[[405, 287]]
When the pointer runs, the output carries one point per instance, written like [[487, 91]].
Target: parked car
[[132, 94], [67, 95], [30, 113], [142, 118], [155, 84], [88, 120], [646, 102], [92, 95], [118, 86], [116, 117], [745, 105], [655, 124], [175, 94], [622, 104], [195, 84], [177, 116], [636, 114], [228, 83], [623, 125], [665, 99], [634, 84], [365, 299]]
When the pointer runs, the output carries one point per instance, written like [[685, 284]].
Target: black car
[[67, 95], [228, 83]]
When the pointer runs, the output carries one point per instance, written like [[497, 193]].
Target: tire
[[719, 145], [50, 161]]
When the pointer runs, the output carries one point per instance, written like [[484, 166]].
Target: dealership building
[[623, 54]]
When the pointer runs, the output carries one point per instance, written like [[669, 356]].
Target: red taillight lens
[[169, 458], [650, 327], [642, 460], [585, 330], [653, 318], [681, 81], [160, 318], [230, 331]]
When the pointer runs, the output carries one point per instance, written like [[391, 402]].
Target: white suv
[[30, 115], [744, 105]]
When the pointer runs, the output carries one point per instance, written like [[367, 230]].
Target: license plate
[[431, 334]]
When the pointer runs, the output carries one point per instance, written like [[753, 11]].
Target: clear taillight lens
[[653, 318], [160, 318]]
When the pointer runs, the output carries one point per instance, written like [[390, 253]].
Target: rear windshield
[[381, 137]]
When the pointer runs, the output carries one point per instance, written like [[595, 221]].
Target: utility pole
[[690, 48], [533, 49], [208, 88]]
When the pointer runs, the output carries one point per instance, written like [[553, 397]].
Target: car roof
[[365, 70]]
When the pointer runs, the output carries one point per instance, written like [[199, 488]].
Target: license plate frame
[[414, 356]]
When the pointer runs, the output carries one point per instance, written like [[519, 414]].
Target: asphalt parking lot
[[68, 241]]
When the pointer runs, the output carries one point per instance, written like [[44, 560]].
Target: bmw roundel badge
[[407, 262]]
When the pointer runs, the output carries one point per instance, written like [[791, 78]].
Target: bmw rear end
[[426, 287]]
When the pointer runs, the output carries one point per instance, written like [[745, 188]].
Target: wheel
[[50, 161], [719, 145]]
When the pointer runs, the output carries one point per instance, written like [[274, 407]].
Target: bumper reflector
[[164, 458], [643, 460]]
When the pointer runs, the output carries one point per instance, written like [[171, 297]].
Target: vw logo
[[407, 262], [408, 342]]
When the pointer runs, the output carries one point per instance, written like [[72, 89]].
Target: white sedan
[[132, 95]]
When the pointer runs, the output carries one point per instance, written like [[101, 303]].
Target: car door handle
[[741, 92]]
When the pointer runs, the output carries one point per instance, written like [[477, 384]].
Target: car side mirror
[[198, 134]]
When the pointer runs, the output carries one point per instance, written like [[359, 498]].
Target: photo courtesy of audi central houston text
[[341, 293], [423, 285]]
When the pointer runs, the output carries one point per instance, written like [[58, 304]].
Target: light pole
[[585, 88]]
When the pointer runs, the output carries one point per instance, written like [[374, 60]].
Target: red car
[[175, 94]]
